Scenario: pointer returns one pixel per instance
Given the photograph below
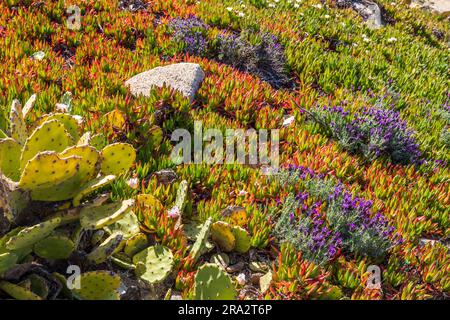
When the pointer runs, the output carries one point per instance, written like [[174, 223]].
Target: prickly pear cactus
[[182, 192], [30, 235], [222, 234], [54, 247], [243, 240], [7, 261], [50, 136], [236, 215], [18, 292], [97, 217], [92, 186], [98, 285], [202, 238], [212, 283], [10, 152], [153, 264], [117, 158], [128, 225], [135, 244], [105, 249]]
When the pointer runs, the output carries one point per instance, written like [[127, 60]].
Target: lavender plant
[[347, 222], [373, 133], [303, 226], [192, 33], [260, 54]]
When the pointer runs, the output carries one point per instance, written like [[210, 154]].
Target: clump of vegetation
[[372, 133], [258, 53]]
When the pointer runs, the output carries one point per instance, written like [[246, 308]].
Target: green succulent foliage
[[18, 292], [243, 239], [201, 240], [212, 283], [97, 217], [54, 247], [98, 285], [105, 249], [30, 235], [153, 264]]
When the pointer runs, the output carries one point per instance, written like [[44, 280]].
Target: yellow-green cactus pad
[[18, 292], [30, 235], [18, 128], [97, 217], [212, 283], [243, 240], [38, 285], [98, 285], [28, 105], [153, 264], [92, 186], [69, 122], [48, 169], [135, 244], [69, 188], [222, 234], [128, 225], [50, 136], [2, 134], [236, 215], [89, 158], [10, 152], [117, 158], [54, 247], [105, 249]]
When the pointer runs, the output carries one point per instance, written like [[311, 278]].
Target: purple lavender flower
[[192, 32]]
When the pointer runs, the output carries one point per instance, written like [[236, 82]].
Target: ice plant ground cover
[[364, 177]]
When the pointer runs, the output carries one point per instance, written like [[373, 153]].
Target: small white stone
[[241, 279]]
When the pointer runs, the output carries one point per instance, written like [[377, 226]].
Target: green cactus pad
[[243, 240], [7, 261], [97, 217], [98, 285], [153, 264], [127, 225], [18, 128], [221, 259], [28, 106], [117, 158], [201, 240], [50, 136], [2, 134], [212, 283], [222, 234], [105, 249], [92, 186], [135, 244], [69, 122], [10, 152], [18, 292], [38, 285], [182, 191], [47, 169], [54, 247], [30, 235]]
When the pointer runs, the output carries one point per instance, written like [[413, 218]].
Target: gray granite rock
[[183, 77]]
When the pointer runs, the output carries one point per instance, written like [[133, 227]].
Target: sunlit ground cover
[[343, 202]]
